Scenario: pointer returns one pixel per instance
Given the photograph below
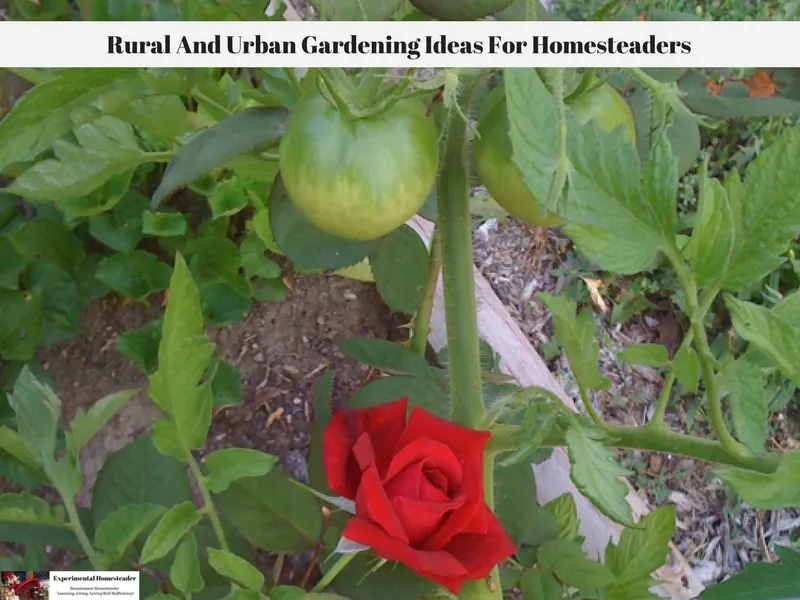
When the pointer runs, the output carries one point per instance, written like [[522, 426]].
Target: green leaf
[[386, 356], [303, 243], [117, 531], [241, 133], [21, 325], [713, 238], [170, 529], [583, 573], [610, 253], [61, 302], [121, 228], [27, 519], [660, 182], [163, 115], [273, 512], [47, 111], [540, 585], [515, 506], [105, 148], [356, 10], [764, 581], [236, 569], [227, 465], [254, 261], [138, 474], [641, 550], [788, 556], [86, 424], [595, 472], [185, 570], [135, 274], [576, 336], [38, 411], [422, 393], [771, 491], [11, 266], [140, 346], [769, 334], [552, 552], [765, 211], [100, 200], [183, 356], [648, 355], [228, 198], [565, 513], [226, 387], [322, 416], [224, 304], [687, 368], [13, 444], [401, 251], [746, 392], [47, 239], [164, 224]]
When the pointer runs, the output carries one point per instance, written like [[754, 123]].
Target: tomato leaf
[[86, 424], [769, 334], [37, 410], [303, 243], [422, 393], [163, 115], [711, 246], [541, 585], [243, 132], [106, 147], [135, 274], [120, 528], [121, 227], [166, 224], [47, 239], [612, 253], [236, 569], [169, 531], [228, 198], [596, 474], [226, 386], [566, 515], [21, 325], [641, 550], [583, 573], [766, 211], [402, 251], [575, 334], [227, 465], [27, 519], [184, 573], [648, 355], [356, 10], [765, 581], [388, 357], [183, 356], [515, 506], [687, 368], [746, 392], [140, 346], [772, 491], [47, 111]]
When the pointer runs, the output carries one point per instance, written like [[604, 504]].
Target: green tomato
[[358, 178], [492, 152], [460, 10]]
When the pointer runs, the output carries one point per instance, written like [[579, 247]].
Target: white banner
[[400, 44], [90, 585]]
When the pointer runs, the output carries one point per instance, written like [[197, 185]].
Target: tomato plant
[[203, 187]]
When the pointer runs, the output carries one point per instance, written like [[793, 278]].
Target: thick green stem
[[208, 503], [422, 322], [455, 228], [80, 533]]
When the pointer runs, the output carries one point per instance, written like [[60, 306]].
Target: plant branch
[[587, 404], [657, 420], [80, 532], [422, 322], [208, 503], [455, 228]]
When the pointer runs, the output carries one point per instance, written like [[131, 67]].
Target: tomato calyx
[[370, 94]]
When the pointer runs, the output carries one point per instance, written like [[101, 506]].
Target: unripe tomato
[[492, 153], [358, 178]]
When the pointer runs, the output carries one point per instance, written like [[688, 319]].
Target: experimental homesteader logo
[[74, 585]]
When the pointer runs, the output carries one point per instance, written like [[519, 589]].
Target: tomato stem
[[422, 322], [329, 90]]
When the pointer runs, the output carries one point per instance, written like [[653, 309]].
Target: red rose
[[418, 491]]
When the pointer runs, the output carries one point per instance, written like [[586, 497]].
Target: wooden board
[[519, 360]]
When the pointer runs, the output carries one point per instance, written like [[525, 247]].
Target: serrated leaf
[[163, 115], [648, 355], [541, 585], [401, 251], [575, 334], [769, 334], [164, 224], [746, 392], [641, 550], [304, 244], [710, 249], [772, 491], [86, 424], [241, 133], [46, 112], [766, 211], [611, 253], [236, 569], [595, 472], [105, 148], [227, 465], [583, 573], [117, 531], [169, 531], [565, 513], [387, 357], [183, 356], [552, 552], [135, 274], [184, 573], [687, 368], [660, 183]]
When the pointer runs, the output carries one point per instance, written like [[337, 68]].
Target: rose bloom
[[418, 491]]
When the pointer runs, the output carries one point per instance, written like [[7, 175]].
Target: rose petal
[[384, 423], [479, 553], [373, 504], [421, 519], [437, 566], [432, 453], [461, 440]]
